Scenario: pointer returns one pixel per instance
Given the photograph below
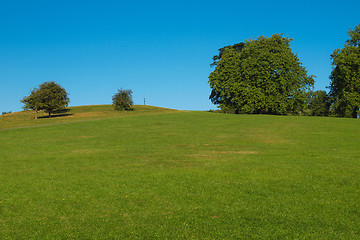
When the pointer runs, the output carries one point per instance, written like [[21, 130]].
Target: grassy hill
[[73, 114], [158, 173]]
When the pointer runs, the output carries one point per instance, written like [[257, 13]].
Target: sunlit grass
[[182, 175], [71, 114]]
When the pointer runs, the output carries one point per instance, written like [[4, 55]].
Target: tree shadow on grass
[[59, 113]]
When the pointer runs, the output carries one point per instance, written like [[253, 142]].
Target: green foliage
[[345, 77], [32, 101], [259, 76], [216, 58], [122, 100], [53, 96], [319, 103], [49, 96]]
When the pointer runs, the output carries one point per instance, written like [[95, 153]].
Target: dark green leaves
[[345, 77], [49, 96], [122, 100], [319, 103]]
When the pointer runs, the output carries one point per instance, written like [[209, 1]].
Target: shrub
[[122, 100]]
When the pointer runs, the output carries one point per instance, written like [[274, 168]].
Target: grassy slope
[[182, 175], [26, 118]]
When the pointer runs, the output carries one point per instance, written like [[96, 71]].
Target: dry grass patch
[[217, 154], [169, 134], [87, 151], [235, 152]]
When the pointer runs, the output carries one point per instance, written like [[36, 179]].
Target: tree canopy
[[32, 102], [259, 76], [122, 100], [319, 103], [48, 96], [345, 77]]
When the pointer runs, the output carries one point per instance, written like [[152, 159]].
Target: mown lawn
[[182, 175]]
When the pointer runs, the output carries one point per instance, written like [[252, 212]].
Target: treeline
[[261, 76], [264, 76], [317, 104]]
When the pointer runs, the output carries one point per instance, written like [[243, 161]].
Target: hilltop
[[75, 114]]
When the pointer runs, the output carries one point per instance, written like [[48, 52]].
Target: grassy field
[[157, 173]]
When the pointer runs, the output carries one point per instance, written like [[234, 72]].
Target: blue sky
[[162, 50]]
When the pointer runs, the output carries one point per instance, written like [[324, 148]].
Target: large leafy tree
[[345, 77], [259, 76], [49, 96]]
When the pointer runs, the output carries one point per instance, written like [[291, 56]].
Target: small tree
[[33, 102], [122, 100], [49, 96], [53, 97]]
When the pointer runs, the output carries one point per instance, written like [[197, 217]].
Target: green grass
[[180, 175], [73, 114]]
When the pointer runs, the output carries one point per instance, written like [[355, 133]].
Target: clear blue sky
[[161, 50]]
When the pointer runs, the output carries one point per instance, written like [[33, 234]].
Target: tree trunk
[[49, 114], [36, 114]]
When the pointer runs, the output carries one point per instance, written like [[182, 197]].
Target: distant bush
[[3, 113], [319, 103], [225, 110], [122, 100], [216, 111]]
